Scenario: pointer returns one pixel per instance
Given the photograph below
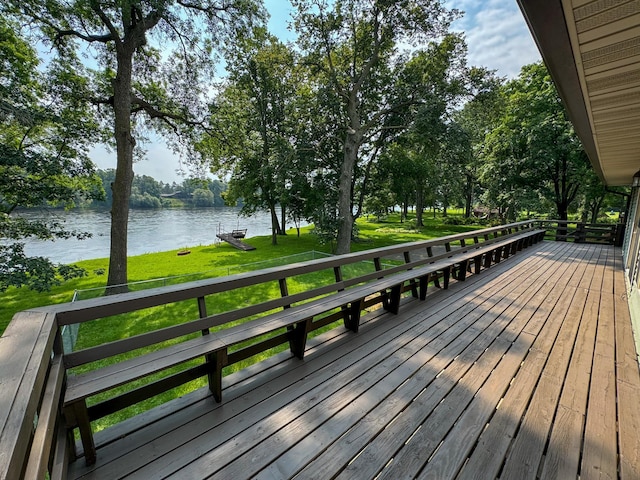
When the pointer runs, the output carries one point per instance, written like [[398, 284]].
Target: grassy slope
[[215, 260]]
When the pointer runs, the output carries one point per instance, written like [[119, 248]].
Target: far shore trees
[[151, 68]]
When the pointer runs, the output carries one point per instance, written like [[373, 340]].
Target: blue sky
[[497, 38]]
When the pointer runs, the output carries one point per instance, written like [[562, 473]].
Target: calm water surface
[[149, 231]]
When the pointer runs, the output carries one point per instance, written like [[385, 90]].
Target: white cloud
[[497, 35]]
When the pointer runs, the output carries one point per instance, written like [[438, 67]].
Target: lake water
[[153, 230]]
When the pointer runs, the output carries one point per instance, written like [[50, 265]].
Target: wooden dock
[[236, 242], [528, 370]]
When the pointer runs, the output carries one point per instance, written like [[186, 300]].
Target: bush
[[144, 201], [460, 221]]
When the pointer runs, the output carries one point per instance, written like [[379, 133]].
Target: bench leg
[[393, 299], [346, 316], [216, 361], [298, 338], [477, 264], [352, 317], [447, 274], [424, 283], [414, 288], [462, 271], [77, 415]]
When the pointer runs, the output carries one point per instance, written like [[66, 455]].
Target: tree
[[44, 136], [535, 148], [422, 160], [479, 116], [260, 100], [141, 81], [597, 197], [353, 45], [203, 197], [451, 166]]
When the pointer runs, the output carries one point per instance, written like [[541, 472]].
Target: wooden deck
[[527, 370]]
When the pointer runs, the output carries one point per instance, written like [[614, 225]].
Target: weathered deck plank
[[627, 383], [511, 374], [495, 440]]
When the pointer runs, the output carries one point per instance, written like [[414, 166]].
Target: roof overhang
[[592, 50]]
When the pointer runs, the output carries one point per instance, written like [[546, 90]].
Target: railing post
[[346, 314], [414, 285], [284, 290], [212, 360], [202, 311], [337, 272], [581, 234]]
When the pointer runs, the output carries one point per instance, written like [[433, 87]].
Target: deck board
[[510, 374]]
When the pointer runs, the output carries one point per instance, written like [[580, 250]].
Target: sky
[[497, 38]]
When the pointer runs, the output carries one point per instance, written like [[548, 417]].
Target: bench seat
[[484, 256]]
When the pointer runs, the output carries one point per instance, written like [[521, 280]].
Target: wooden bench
[[214, 346], [298, 316], [485, 255]]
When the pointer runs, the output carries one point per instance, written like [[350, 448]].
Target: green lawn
[[214, 260]]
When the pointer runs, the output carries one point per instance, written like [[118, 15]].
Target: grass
[[218, 259], [203, 262]]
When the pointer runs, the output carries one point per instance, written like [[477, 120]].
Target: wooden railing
[[36, 436], [580, 232]]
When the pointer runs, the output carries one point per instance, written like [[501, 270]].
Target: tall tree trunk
[[121, 186], [275, 225], [563, 215], [419, 206], [283, 220], [345, 213], [468, 196], [597, 205]]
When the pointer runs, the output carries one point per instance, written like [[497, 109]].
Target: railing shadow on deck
[[37, 434]]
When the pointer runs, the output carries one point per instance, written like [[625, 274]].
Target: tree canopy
[[45, 132], [534, 149], [353, 45]]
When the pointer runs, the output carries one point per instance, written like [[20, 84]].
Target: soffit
[[592, 49]]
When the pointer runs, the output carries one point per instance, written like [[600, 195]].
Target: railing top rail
[[91, 309], [574, 222]]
